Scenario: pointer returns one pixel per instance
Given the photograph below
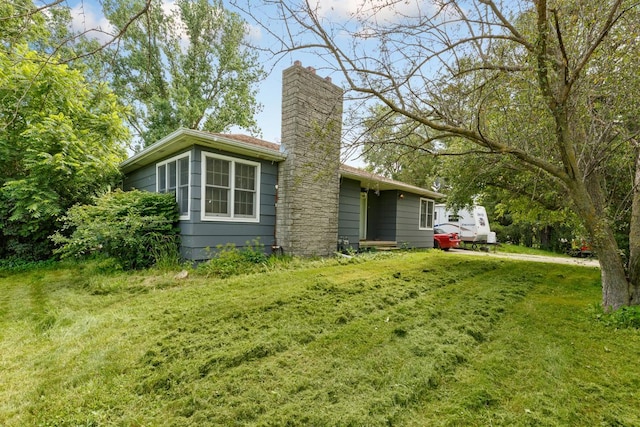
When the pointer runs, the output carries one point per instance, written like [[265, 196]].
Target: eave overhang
[[184, 138], [376, 182]]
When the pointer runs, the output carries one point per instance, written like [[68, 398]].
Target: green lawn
[[517, 249], [412, 339]]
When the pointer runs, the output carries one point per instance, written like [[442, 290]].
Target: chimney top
[[312, 70]]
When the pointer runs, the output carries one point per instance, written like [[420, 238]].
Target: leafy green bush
[[624, 317], [137, 228], [229, 261], [15, 264]]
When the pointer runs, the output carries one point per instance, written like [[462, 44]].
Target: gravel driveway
[[586, 262]]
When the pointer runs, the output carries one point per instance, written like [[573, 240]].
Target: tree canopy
[[393, 147], [61, 141], [183, 67]]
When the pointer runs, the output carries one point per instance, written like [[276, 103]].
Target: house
[[296, 197]]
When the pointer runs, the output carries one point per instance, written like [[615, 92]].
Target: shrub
[[624, 317], [15, 264], [137, 228], [228, 260]]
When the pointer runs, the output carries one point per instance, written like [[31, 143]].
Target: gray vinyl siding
[[145, 177], [381, 210], [141, 179], [408, 231], [200, 238], [349, 212]]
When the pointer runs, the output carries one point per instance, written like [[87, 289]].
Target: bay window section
[[172, 176], [230, 189]]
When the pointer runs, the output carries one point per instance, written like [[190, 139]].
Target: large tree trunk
[[634, 235], [615, 286], [590, 207]]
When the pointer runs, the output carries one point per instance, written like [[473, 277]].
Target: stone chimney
[[308, 181]]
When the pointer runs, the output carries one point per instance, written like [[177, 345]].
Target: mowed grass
[[517, 249], [413, 339]]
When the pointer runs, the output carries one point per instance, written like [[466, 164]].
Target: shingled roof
[[249, 140]]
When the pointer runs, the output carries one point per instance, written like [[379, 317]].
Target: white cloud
[[170, 8], [380, 10], [254, 33], [85, 18]]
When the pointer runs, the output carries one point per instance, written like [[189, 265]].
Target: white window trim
[[170, 160], [433, 211], [232, 171]]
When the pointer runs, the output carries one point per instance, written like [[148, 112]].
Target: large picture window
[[172, 176], [230, 189], [426, 214]]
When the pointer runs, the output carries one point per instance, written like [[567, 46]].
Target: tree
[[522, 205], [548, 71], [61, 141], [47, 27], [185, 67], [392, 148]]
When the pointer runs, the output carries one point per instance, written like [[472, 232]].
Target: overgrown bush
[[228, 260], [15, 264], [136, 228], [624, 317]]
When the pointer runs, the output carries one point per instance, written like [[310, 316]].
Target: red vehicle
[[445, 241], [581, 249]]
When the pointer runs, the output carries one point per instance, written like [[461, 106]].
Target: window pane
[[244, 203], [429, 214], [184, 171], [217, 201], [183, 200], [423, 214], [172, 175], [162, 179], [245, 177], [209, 172], [218, 172]]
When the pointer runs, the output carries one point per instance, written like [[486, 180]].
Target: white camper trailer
[[472, 225]]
